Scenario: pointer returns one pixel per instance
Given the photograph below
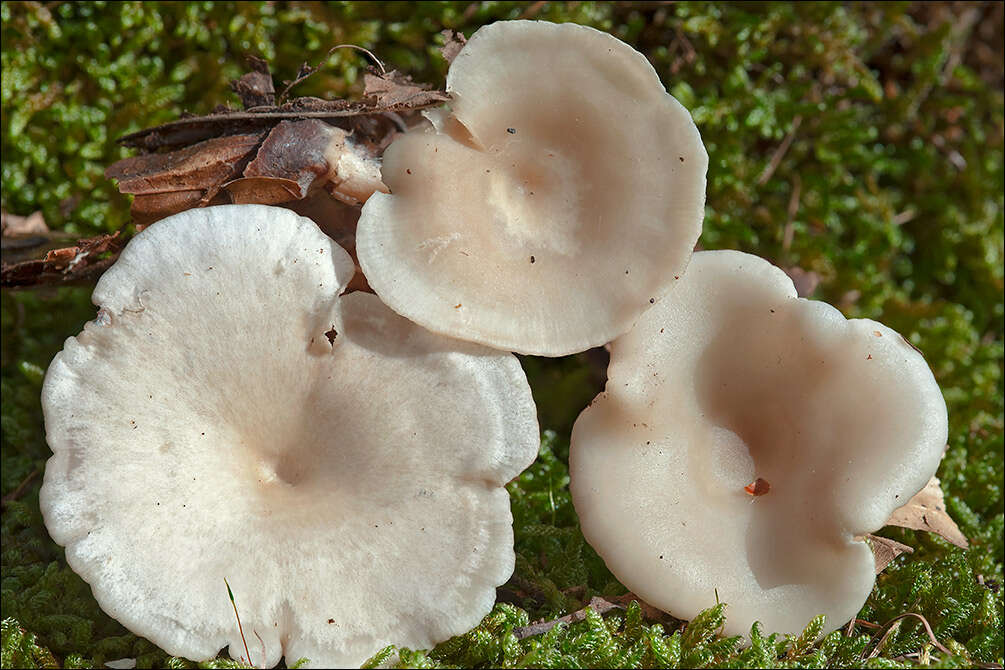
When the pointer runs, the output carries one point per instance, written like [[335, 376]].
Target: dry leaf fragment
[[394, 91], [927, 511], [884, 550], [453, 42], [64, 265], [255, 88], [166, 184], [296, 151], [13, 225], [263, 190], [805, 281]]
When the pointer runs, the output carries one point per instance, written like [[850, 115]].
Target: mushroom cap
[[736, 379], [203, 427], [561, 196]]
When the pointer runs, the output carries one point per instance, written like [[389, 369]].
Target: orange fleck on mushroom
[[758, 487]]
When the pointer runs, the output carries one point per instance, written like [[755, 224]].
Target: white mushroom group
[[558, 199], [744, 442], [229, 416]]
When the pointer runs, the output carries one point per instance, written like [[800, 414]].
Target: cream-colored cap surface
[[228, 415], [561, 194], [733, 378]]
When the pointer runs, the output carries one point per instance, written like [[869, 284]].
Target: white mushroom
[[561, 196], [745, 441], [229, 416]]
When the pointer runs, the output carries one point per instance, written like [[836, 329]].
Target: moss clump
[[890, 189]]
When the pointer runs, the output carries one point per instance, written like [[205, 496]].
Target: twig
[[532, 11], [889, 625], [597, 604], [793, 209], [776, 158], [16, 493], [306, 70]]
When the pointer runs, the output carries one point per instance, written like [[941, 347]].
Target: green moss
[[891, 190]]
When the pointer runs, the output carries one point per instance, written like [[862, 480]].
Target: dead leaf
[[263, 190], [255, 88], [166, 184], [453, 42], [927, 511], [297, 151], [884, 550], [13, 225], [394, 91], [805, 281]]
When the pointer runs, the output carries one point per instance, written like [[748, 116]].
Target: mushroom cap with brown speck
[[229, 415], [557, 198]]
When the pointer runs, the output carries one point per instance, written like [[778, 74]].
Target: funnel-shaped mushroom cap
[[731, 380], [562, 194], [227, 415]]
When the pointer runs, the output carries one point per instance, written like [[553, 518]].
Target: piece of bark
[[361, 117], [884, 550], [66, 265], [927, 511]]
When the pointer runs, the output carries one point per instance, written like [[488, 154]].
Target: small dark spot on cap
[[532, 259], [511, 131], [331, 335], [681, 158], [408, 170], [661, 557], [772, 311], [652, 301], [331, 620], [869, 357]]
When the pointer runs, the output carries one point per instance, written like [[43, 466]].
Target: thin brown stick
[[597, 604], [308, 70], [793, 209], [17, 492], [889, 625], [779, 154]]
